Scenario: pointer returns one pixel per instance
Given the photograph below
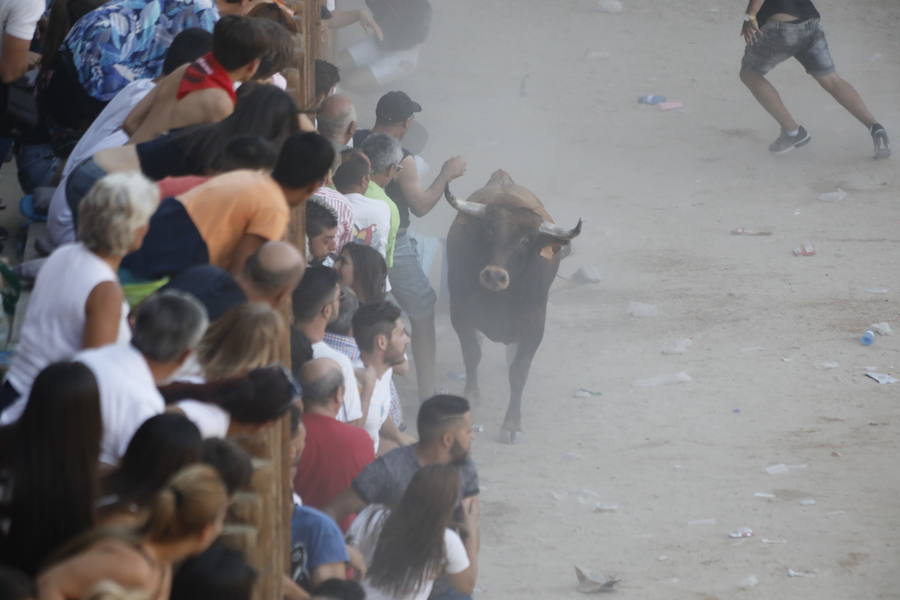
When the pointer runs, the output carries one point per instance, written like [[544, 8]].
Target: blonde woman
[[183, 520], [244, 338], [77, 302]]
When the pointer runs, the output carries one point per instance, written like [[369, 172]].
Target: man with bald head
[[336, 120], [335, 452], [269, 275]]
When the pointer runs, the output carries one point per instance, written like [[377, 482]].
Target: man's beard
[[458, 454]]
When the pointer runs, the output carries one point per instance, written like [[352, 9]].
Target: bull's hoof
[[510, 437]]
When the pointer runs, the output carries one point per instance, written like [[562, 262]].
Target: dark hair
[[319, 391], [249, 152], [315, 290], [354, 166], [437, 413], [15, 585], [327, 76], [262, 110], [339, 589], [296, 416], [219, 572], [372, 320], [348, 305], [260, 396], [162, 446], [232, 462], [189, 45], [54, 463], [301, 351], [237, 41], [369, 272], [279, 52], [410, 548], [304, 159], [318, 219], [271, 11]]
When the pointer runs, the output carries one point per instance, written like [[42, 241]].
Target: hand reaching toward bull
[[453, 168]]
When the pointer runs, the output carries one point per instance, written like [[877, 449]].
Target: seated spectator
[[229, 217], [339, 333], [218, 573], [316, 303], [269, 275], [167, 327], [445, 436], [203, 91], [318, 552], [92, 311], [409, 545], [335, 201], [231, 462], [382, 340], [280, 54], [384, 153], [339, 589], [336, 120], [321, 233], [110, 47], [17, 28], [49, 466], [335, 452], [363, 269], [183, 520], [106, 130], [245, 338], [371, 216], [237, 405], [162, 446]]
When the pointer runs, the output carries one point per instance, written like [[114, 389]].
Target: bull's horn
[[559, 232], [470, 209]]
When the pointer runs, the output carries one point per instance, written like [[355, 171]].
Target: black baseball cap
[[396, 106]]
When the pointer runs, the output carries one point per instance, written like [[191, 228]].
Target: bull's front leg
[[518, 377], [471, 351]]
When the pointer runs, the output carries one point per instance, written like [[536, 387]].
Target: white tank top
[[55, 318]]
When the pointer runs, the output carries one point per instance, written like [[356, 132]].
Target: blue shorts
[[409, 283], [780, 41]]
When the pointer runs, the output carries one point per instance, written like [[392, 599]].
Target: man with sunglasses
[[410, 286]]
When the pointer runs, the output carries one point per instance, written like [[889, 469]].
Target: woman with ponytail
[[407, 547], [182, 520]]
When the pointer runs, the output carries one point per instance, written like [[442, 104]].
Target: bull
[[503, 252]]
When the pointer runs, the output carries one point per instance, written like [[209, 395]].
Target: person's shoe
[[786, 143], [880, 139]]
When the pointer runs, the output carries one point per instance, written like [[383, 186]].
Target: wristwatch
[[748, 18]]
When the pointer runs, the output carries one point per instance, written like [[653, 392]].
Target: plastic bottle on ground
[[868, 338]]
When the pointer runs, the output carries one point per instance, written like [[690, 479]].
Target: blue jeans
[[80, 182], [37, 165]]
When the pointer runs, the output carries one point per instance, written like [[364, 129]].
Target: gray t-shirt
[[385, 480]]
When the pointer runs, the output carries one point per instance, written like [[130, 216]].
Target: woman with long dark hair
[[407, 547], [363, 269], [161, 446], [50, 459], [261, 110]]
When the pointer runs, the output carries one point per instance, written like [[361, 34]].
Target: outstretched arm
[[422, 201]]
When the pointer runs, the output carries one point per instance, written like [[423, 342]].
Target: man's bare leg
[[424, 349], [766, 94], [847, 96]]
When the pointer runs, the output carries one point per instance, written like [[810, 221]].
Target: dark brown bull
[[503, 251]]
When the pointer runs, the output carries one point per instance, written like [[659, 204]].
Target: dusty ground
[[659, 192]]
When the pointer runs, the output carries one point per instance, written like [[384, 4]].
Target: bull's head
[[516, 236]]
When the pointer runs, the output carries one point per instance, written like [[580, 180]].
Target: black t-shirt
[[405, 23], [167, 156], [802, 9], [393, 189]]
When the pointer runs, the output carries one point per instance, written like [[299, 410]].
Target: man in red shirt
[[203, 91], [335, 452]]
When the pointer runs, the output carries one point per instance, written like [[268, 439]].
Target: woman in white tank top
[[77, 301]]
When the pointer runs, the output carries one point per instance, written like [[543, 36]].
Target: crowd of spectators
[[172, 156]]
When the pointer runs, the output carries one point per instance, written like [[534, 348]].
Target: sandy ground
[[660, 192]]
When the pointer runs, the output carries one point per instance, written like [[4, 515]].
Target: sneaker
[[880, 139], [786, 143]]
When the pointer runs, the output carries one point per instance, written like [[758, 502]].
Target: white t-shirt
[[105, 132], [18, 18], [371, 222], [352, 408], [363, 534], [379, 407], [54, 320], [210, 419], [128, 395]]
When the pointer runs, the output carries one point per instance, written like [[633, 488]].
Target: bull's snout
[[493, 278]]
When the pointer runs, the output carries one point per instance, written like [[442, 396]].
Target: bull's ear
[[549, 251]]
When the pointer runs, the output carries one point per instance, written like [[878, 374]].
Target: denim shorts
[[780, 41], [409, 283]]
